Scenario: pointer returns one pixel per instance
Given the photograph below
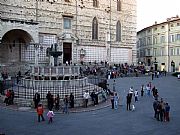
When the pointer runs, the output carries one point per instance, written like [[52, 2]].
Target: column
[[36, 46]]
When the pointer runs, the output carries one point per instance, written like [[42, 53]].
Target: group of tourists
[[161, 108], [52, 103]]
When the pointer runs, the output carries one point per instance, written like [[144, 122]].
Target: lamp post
[[36, 54], [108, 38], [82, 54]]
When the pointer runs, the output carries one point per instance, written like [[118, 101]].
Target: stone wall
[[50, 21]]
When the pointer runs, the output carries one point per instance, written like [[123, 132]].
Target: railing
[[27, 91], [30, 83]]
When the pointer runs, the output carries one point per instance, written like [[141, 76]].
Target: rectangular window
[[148, 52], [172, 52], [172, 38], [178, 37], [155, 49], [177, 51], [162, 51], [67, 23], [162, 39], [149, 41]]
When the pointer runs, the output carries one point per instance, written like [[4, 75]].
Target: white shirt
[[86, 95]]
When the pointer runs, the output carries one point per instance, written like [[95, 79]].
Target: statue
[[53, 51]]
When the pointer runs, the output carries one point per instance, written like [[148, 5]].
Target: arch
[[14, 34], [95, 28], [118, 31], [14, 45]]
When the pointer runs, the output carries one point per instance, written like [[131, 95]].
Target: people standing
[[50, 116], [11, 99], [153, 91], [57, 102], [152, 75], [114, 85], [40, 111], [136, 95], [116, 100], [7, 98], [66, 101], [51, 102], [71, 98], [86, 97], [36, 99], [162, 111], [142, 90], [93, 97], [155, 104], [48, 97], [112, 100], [159, 108], [148, 89], [128, 101], [131, 91], [167, 110]]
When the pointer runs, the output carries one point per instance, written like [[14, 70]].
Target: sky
[[149, 11]]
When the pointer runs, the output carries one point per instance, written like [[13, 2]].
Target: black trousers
[[41, 117], [128, 106], [112, 103], [86, 102]]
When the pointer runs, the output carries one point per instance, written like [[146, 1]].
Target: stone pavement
[[104, 121]]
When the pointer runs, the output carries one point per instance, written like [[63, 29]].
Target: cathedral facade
[[84, 30]]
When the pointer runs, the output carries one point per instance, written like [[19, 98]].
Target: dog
[[133, 107]]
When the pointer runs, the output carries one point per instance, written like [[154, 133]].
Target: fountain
[[61, 80]]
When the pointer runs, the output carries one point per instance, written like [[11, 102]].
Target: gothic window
[[95, 3], [118, 5], [118, 31], [95, 28]]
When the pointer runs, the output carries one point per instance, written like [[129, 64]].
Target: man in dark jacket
[[36, 99], [49, 100], [128, 98]]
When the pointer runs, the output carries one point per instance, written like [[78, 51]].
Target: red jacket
[[8, 94], [40, 110]]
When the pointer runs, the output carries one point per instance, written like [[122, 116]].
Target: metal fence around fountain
[[28, 92]]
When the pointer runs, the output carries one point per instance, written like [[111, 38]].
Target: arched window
[[118, 5], [95, 28], [95, 3], [118, 31]]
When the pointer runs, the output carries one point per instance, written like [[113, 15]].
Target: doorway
[[67, 52]]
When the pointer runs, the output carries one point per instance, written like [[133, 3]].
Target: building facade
[[158, 46], [84, 30]]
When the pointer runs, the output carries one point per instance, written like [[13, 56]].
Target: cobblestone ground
[[102, 120]]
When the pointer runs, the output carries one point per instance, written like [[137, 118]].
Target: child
[[40, 111], [50, 115]]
